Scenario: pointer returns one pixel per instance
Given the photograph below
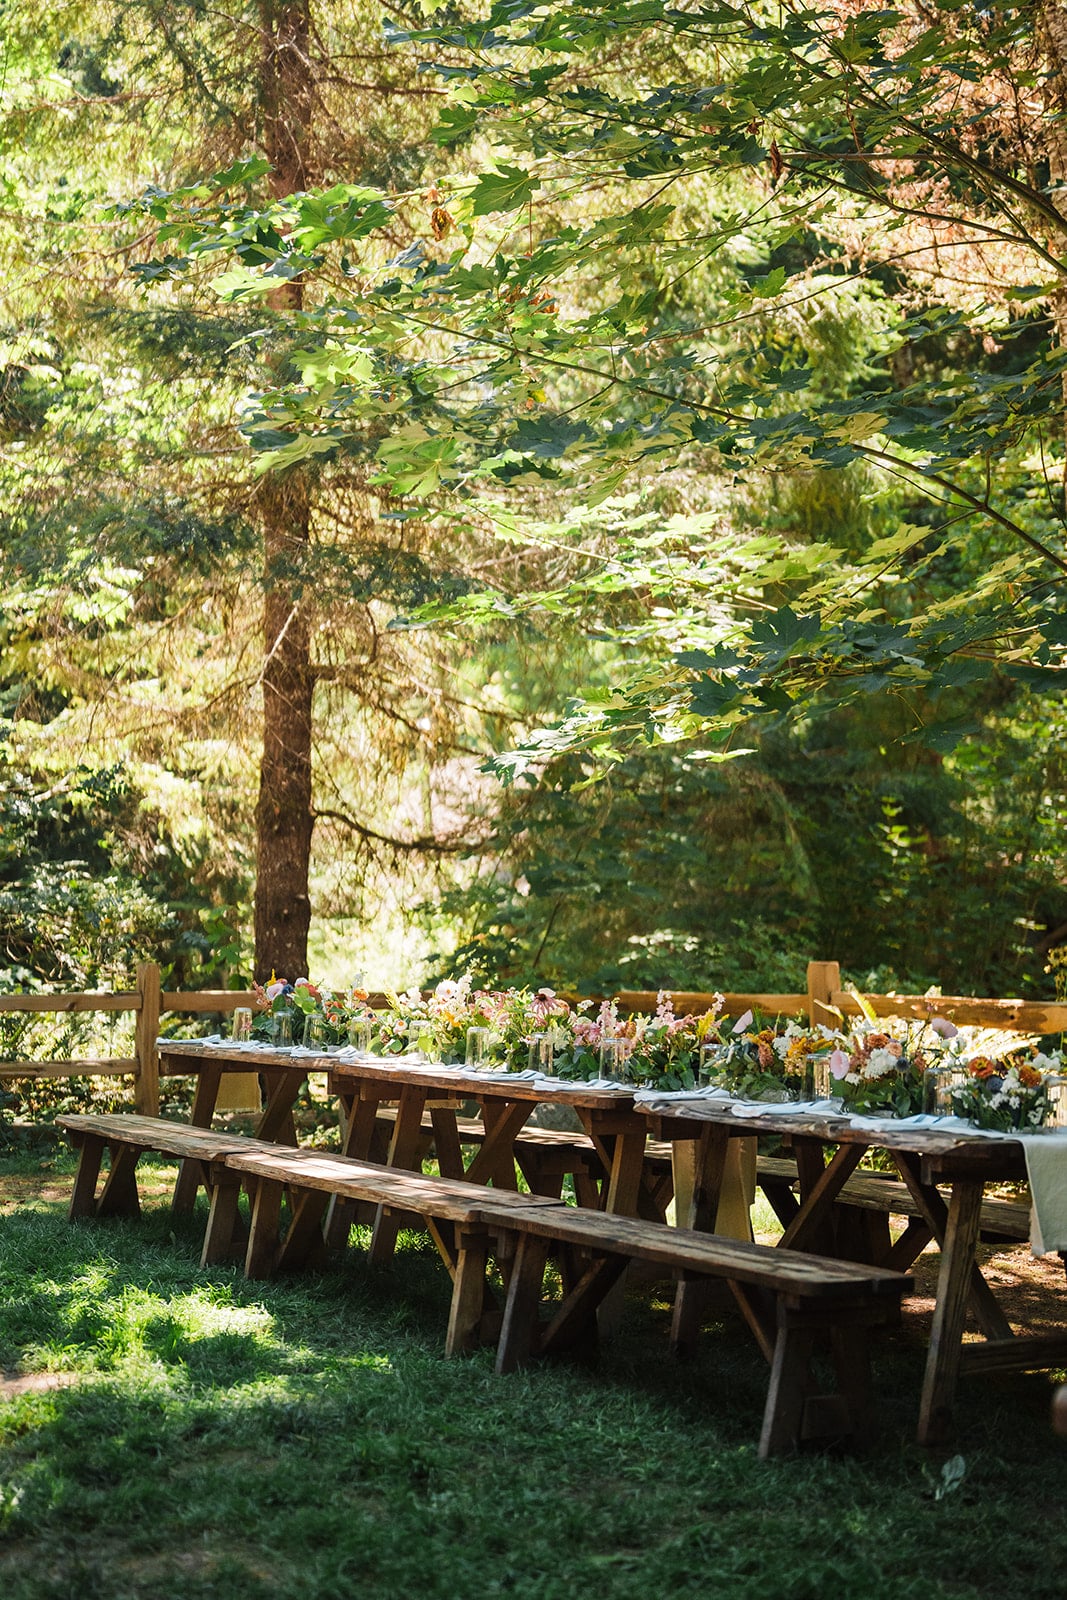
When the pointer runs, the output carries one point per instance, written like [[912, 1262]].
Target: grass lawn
[[305, 1438]]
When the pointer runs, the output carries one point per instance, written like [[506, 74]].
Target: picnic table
[[281, 1073], [507, 1101], [828, 1149], [707, 1135]]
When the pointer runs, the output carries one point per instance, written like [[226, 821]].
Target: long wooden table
[[828, 1150], [282, 1074], [608, 1117]]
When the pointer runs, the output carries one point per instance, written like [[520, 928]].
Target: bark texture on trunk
[[1052, 38], [284, 810]]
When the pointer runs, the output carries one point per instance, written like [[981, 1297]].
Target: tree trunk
[[283, 811], [1052, 37]]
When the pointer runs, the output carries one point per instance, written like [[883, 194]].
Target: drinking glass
[[242, 1024], [477, 1056], [938, 1084], [360, 1033], [281, 1028], [822, 1085], [315, 1033], [542, 1056], [707, 1061], [613, 1056], [1056, 1088]]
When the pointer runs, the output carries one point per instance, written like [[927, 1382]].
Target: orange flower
[[1029, 1076], [982, 1067]]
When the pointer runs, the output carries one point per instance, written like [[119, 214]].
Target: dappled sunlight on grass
[[304, 1437]]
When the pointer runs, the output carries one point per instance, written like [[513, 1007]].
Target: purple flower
[[944, 1028]]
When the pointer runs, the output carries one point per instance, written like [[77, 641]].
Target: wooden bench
[[789, 1300], [867, 1201], [127, 1137], [545, 1156]]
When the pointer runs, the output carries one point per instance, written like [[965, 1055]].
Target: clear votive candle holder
[[242, 1024], [315, 1034], [477, 1052], [360, 1033], [707, 1061], [541, 1056], [613, 1055], [281, 1030]]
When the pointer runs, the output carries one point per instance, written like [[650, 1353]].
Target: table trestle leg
[[226, 1238], [83, 1201], [467, 1312]]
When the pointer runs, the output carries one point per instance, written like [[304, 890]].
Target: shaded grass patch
[[305, 1438]]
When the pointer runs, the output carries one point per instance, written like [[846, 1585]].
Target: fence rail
[[824, 1001]]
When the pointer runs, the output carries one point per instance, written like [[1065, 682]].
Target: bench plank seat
[[788, 1298], [1002, 1221]]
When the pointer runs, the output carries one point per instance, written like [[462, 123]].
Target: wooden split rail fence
[[823, 1002]]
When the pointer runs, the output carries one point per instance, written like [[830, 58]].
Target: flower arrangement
[[879, 1070], [665, 1053], [1007, 1095], [759, 1060], [303, 999]]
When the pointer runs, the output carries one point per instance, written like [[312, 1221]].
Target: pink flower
[[742, 1023], [839, 1064], [273, 990], [944, 1028]]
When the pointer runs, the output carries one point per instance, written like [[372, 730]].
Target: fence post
[[146, 1083], [824, 977]]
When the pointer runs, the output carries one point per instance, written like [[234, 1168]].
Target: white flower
[[879, 1062]]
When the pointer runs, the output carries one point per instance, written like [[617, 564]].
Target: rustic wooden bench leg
[[264, 1233], [82, 1201], [303, 1243], [909, 1246], [119, 1197], [543, 1170], [224, 1239], [468, 1290], [786, 1392], [519, 1333], [783, 1202]]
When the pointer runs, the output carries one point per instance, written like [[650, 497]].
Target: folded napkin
[[1046, 1168], [502, 1075], [779, 1108], [684, 1096]]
